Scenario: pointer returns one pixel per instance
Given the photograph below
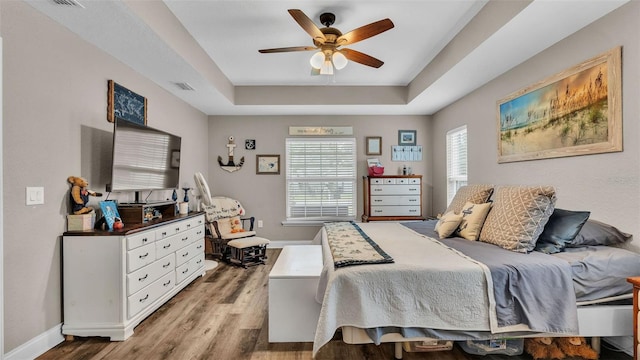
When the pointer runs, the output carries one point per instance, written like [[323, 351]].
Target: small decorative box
[[81, 222]]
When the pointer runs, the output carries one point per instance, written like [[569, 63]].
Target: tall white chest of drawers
[[113, 281], [396, 197]]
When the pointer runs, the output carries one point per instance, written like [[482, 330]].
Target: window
[[321, 179], [456, 161]]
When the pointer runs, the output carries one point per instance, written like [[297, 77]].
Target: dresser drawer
[[185, 270], [194, 223], [168, 230], [140, 257], [150, 273], [395, 211], [395, 200], [395, 190], [168, 245], [186, 253], [138, 240], [145, 297]]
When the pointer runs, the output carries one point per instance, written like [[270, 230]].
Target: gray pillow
[[598, 233], [563, 226]]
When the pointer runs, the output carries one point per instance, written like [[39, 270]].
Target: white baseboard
[[278, 244], [38, 345], [623, 343]]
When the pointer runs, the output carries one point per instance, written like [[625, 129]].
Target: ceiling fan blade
[[361, 58], [288, 49], [365, 32], [308, 25]]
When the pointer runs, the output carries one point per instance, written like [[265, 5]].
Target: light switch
[[35, 195]]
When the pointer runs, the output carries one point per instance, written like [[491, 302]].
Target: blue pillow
[[563, 226]]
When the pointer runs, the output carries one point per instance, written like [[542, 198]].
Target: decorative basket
[[376, 170]]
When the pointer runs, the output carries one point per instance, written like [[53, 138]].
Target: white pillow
[[448, 224], [473, 216]]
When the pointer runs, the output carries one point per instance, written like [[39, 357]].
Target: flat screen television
[[144, 158]]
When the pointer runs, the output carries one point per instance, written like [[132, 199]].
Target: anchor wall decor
[[231, 166]]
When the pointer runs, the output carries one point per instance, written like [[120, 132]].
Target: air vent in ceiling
[[68, 3], [185, 86]]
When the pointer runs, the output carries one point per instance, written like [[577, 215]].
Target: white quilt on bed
[[395, 295]]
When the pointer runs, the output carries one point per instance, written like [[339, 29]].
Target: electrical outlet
[[260, 224]]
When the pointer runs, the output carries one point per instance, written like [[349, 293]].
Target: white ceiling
[[438, 51]]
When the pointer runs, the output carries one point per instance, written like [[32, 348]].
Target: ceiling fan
[[328, 42]]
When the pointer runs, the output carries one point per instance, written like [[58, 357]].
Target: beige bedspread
[[406, 293]]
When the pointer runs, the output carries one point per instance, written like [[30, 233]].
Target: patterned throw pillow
[[518, 216], [477, 194], [447, 224], [473, 216]]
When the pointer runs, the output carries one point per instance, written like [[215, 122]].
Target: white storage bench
[[293, 280]]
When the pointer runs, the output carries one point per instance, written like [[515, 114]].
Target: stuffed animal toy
[[576, 347], [80, 195], [559, 348], [543, 348]]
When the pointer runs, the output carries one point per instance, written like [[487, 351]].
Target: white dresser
[[392, 198], [114, 280]]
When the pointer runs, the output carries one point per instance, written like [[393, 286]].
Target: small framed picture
[[250, 144], [374, 145], [268, 164], [406, 137]]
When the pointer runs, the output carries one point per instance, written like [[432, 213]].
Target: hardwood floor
[[223, 315]]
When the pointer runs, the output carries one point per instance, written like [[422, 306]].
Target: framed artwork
[[110, 212], [406, 137], [123, 103], [268, 164], [374, 145], [250, 144], [575, 112]]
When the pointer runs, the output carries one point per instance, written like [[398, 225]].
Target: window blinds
[[456, 160], [321, 178]]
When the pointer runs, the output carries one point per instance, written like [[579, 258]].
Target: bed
[[422, 287]]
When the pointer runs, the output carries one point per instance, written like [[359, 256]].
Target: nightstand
[[636, 341]]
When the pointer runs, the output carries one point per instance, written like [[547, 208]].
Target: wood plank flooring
[[223, 315]]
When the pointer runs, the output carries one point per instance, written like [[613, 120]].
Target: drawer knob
[[166, 265], [166, 246], [143, 256], [144, 240], [144, 298], [164, 233], [199, 261], [167, 283], [185, 238], [185, 254], [185, 271], [143, 278]]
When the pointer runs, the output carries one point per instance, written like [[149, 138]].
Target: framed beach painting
[[575, 112]]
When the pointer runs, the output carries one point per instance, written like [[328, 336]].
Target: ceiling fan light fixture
[[317, 60], [339, 60], [327, 68]]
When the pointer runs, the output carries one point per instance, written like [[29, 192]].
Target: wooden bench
[[293, 281]]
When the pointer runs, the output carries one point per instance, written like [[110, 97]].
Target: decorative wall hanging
[[406, 153], [374, 145], [575, 112], [268, 164], [123, 103], [231, 166], [406, 137], [321, 130], [250, 144]]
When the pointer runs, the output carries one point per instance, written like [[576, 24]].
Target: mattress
[[598, 272]]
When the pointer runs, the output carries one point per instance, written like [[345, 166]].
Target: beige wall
[[605, 184], [55, 126], [263, 196]]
